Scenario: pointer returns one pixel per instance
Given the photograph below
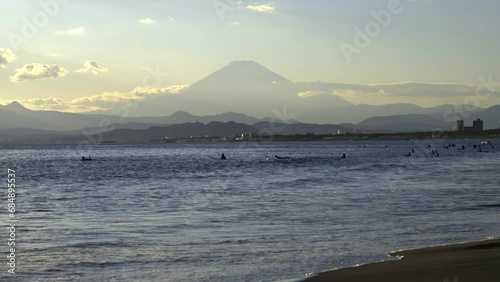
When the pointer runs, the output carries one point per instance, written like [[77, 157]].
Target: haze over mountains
[[251, 94], [252, 89], [243, 87]]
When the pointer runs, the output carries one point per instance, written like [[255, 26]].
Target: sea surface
[[175, 212]]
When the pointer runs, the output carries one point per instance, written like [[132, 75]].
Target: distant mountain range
[[249, 88], [404, 123], [244, 87], [248, 91], [16, 116], [156, 133], [379, 118]]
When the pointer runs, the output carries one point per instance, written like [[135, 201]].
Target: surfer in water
[[342, 157], [222, 157], [278, 157]]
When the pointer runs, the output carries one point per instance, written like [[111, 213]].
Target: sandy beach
[[475, 262]]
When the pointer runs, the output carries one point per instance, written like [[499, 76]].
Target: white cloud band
[[103, 101], [147, 21], [6, 56], [92, 67], [72, 32], [31, 72], [264, 8]]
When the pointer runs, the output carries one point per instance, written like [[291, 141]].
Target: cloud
[[37, 71], [92, 67], [106, 100], [72, 32], [50, 104], [264, 8], [423, 89], [352, 94], [6, 56], [147, 21], [392, 90], [311, 93], [234, 24], [103, 101]]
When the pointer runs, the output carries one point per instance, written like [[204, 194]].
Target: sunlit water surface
[[174, 212]]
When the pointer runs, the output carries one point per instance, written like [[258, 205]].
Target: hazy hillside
[[196, 129], [490, 116], [16, 116], [301, 128], [404, 123]]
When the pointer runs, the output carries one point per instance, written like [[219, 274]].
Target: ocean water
[[174, 212]]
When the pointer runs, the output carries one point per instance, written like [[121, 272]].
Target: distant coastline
[[78, 138], [447, 135]]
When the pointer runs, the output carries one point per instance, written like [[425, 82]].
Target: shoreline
[[473, 261]]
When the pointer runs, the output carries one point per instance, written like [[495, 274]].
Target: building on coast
[[477, 126]]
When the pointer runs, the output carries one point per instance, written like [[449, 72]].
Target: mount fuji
[[245, 87]]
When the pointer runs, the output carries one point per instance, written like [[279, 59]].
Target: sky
[[62, 54]]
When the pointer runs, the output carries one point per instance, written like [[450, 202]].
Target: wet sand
[[475, 262]]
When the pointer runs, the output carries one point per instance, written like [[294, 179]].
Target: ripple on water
[[173, 212]]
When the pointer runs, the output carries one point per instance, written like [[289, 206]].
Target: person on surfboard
[[278, 157]]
